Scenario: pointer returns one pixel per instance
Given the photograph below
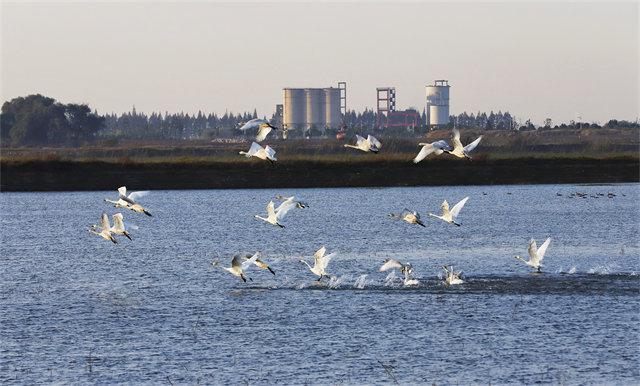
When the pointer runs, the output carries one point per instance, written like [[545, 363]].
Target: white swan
[[259, 263], [129, 202], [265, 153], [263, 126], [437, 147], [273, 215], [536, 254], [104, 228], [320, 262], [450, 215], [118, 226], [460, 151], [371, 144], [299, 204], [408, 216], [452, 277], [406, 269], [238, 266]]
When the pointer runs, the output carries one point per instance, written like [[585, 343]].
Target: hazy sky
[[534, 59]]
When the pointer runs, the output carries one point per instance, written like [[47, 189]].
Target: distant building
[[317, 108]]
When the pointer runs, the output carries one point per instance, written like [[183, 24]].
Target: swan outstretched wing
[[359, 140], [374, 141], [251, 124], [472, 145], [456, 139], [270, 211], [543, 249], [533, 251], [458, 207], [284, 208], [326, 259], [270, 152], [264, 130], [236, 261], [317, 257], [255, 148], [247, 263], [118, 224], [122, 191], [427, 149], [136, 195], [104, 222], [390, 264]]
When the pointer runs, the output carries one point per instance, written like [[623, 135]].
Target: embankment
[[59, 175]]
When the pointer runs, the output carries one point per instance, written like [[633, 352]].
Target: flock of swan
[[240, 264]]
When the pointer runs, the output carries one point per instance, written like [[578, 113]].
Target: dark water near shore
[[78, 309]]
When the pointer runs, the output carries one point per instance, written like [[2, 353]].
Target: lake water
[[78, 309]]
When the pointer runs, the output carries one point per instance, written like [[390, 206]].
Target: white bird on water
[[459, 150], [238, 266], [408, 216], [536, 254], [275, 215], [263, 126], [320, 262], [299, 204], [450, 215], [129, 202], [104, 228], [265, 153], [406, 269], [437, 148], [452, 277], [370, 144]]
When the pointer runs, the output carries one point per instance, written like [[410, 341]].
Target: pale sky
[[534, 59]]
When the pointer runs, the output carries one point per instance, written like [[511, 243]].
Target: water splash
[[335, 281], [360, 282]]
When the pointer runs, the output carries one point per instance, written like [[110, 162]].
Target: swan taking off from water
[[129, 202], [437, 147], [406, 269], [452, 277], [536, 254], [265, 153], [460, 151], [320, 262], [450, 215], [371, 144], [299, 204], [408, 216], [263, 126], [259, 263], [105, 229], [275, 215], [238, 266]]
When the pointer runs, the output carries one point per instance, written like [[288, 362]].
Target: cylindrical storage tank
[[333, 116], [294, 114], [315, 108], [438, 103]]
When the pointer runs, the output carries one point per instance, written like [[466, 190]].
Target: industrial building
[[317, 108], [387, 116], [438, 103]]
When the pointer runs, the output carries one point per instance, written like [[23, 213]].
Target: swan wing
[[104, 222], [374, 141], [254, 149], [247, 263], [270, 152], [270, 211], [359, 140], [543, 249], [472, 145], [264, 130], [236, 261], [441, 145], [424, 152], [136, 195], [251, 124], [456, 139], [122, 191], [390, 264], [326, 259], [284, 208], [317, 257], [118, 224], [458, 207], [533, 251]]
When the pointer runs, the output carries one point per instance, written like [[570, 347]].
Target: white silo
[[333, 115], [315, 108], [294, 115], [438, 103]]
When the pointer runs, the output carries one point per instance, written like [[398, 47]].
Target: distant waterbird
[[238, 266], [450, 215], [118, 226], [274, 216], [129, 202], [451, 276], [536, 254], [459, 150], [437, 148], [104, 230], [264, 153], [370, 144], [263, 126], [406, 269], [259, 263], [321, 261], [412, 217], [299, 204]]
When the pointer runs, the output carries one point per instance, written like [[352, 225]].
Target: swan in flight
[[437, 147], [265, 153], [104, 228], [452, 277], [263, 126], [238, 266], [259, 263], [129, 202], [371, 144], [275, 215], [450, 215], [406, 269], [536, 254], [408, 216], [320, 262], [118, 226], [460, 151], [299, 204]]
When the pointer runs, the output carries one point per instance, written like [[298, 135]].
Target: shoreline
[[56, 175]]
